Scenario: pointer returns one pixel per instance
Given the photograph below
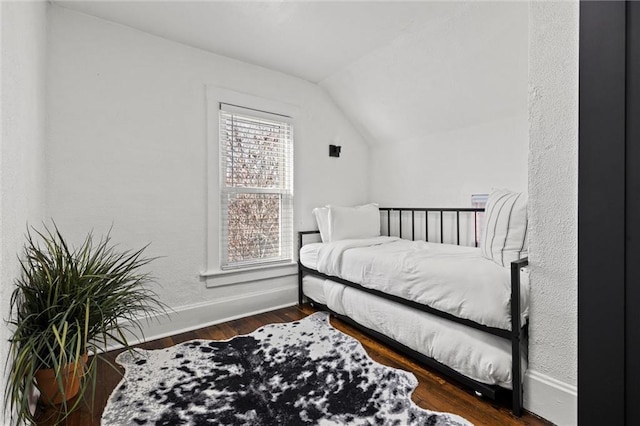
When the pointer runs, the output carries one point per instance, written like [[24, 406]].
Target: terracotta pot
[[70, 376]]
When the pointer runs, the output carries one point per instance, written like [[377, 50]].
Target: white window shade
[[256, 187]]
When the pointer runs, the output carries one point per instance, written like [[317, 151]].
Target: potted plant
[[67, 302]]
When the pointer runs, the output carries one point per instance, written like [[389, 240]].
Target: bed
[[456, 307]]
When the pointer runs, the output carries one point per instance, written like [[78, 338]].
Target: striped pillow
[[504, 238]]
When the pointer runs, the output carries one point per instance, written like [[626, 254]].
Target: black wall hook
[[334, 150]]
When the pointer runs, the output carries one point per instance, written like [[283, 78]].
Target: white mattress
[[480, 356], [309, 255], [450, 278], [313, 288]]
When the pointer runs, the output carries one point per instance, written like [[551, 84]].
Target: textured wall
[[22, 144], [128, 145], [553, 174]]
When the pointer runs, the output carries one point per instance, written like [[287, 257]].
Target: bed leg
[[516, 338], [300, 293], [517, 378]]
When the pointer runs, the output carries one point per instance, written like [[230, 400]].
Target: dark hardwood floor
[[434, 392]]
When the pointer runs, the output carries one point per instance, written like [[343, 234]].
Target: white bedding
[[480, 356], [450, 278]]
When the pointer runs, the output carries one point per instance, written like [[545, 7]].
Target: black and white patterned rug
[[302, 372]]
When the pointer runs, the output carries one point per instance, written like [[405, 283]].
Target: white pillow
[[504, 238], [322, 219], [354, 222]]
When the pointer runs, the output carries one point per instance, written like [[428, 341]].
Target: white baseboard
[[551, 399], [193, 317]]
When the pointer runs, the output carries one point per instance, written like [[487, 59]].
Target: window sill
[[220, 278]]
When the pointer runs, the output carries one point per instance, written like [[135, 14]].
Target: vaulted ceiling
[[397, 69], [310, 40]]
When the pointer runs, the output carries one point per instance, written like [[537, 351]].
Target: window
[[256, 187]]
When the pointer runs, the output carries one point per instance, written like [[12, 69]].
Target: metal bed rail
[[438, 211]]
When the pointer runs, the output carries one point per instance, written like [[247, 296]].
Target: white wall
[[128, 146], [445, 169], [22, 99], [553, 189], [444, 106]]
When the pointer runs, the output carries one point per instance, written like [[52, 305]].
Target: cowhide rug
[[302, 372]]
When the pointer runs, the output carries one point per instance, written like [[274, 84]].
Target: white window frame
[[213, 275]]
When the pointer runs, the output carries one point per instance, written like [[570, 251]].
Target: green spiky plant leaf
[[68, 301]]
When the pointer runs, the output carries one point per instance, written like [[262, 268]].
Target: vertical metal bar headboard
[[475, 228], [389, 211], [413, 227], [426, 225]]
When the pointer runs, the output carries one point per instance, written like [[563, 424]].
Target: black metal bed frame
[[517, 335]]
